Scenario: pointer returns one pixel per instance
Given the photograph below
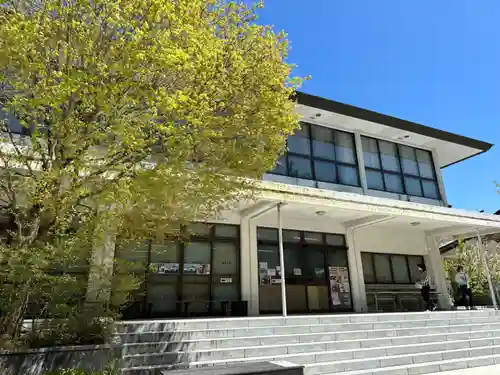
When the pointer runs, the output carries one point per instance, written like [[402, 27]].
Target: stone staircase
[[363, 344]]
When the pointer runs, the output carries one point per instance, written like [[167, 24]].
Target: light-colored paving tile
[[484, 370]]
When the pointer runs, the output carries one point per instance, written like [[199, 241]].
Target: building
[[361, 202]]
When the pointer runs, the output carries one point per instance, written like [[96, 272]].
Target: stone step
[[303, 333], [385, 365], [240, 355], [429, 367], [293, 346], [338, 366], [259, 322]]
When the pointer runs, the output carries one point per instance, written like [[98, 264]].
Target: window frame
[[389, 256], [402, 175], [312, 158], [213, 239]]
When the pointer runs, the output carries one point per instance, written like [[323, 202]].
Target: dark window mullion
[[311, 157], [334, 138], [398, 157], [372, 255], [381, 166], [408, 269], [391, 267]]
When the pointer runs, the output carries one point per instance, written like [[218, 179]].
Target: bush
[[80, 372]]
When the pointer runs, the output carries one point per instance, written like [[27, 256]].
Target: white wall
[[390, 240], [319, 224]]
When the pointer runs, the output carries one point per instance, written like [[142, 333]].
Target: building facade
[[340, 224]]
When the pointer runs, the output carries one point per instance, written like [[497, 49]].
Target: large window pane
[[382, 268], [388, 154], [299, 142], [325, 171], [413, 186], [293, 263], [335, 239], [408, 160], [224, 292], [393, 182], [315, 265], [344, 147], [313, 237], [337, 258], [267, 234], [370, 152], [348, 175], [225, 259], [291, 236], [226, 231], [369, 274], [400, 269], [425, 164], [299, 145], [323, 142], [299, 167], [413, 262], [197, 258], [430, 189], [280, 167], [162, 297], [197, 297], [374, 180]]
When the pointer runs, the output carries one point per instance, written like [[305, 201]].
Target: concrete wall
[[390, 240]]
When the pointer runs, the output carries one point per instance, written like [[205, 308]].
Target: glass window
[[313, 237], [225, 260], [199, 229], [374, 180], [315, 267], [344, 147], [430, 189], [388, 154], [335, 239], [224, 292], [393, 183], [267, 234], [382, 268], [162, 297], [291, 236], [370, 152], [413, 262], [348, 175], [413, 186], [325, 171], [299, 142], [400, 269], [299, 167], [408, 160], [369, 274], [227, 231], [280, 167], [336, 258], [197, 258], [323, 142], [425, 164], [165, 258], [293, 261], [198, 296]]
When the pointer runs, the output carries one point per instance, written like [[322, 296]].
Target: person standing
[[462, 280], [425, 288]]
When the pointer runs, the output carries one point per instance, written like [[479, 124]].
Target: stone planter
[[38, 361]]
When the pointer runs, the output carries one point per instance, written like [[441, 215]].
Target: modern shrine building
[[362, 203]]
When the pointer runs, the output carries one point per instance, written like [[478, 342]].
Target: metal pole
[[282, 262], [487, 270]]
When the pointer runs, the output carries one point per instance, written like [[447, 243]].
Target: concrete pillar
[[361, 162], [101, 268], [358, 290], [435, 270], [249, 266]]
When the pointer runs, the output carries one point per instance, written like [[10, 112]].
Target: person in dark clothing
[[462, 280], [425, 287]]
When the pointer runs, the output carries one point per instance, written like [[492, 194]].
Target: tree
[[468, 256], [136, 115]]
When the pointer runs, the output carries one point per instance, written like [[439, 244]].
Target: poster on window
[[339, 286], [196, 269], [166, 268]]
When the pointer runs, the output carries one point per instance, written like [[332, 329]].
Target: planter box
[[38, 361]]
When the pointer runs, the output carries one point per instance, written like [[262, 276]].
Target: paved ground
[[486, 370]]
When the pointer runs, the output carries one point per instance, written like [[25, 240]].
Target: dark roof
[[367, 115]]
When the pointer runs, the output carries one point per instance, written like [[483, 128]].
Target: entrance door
[[314, 262]]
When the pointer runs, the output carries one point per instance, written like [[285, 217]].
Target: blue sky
[[433, 62]]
